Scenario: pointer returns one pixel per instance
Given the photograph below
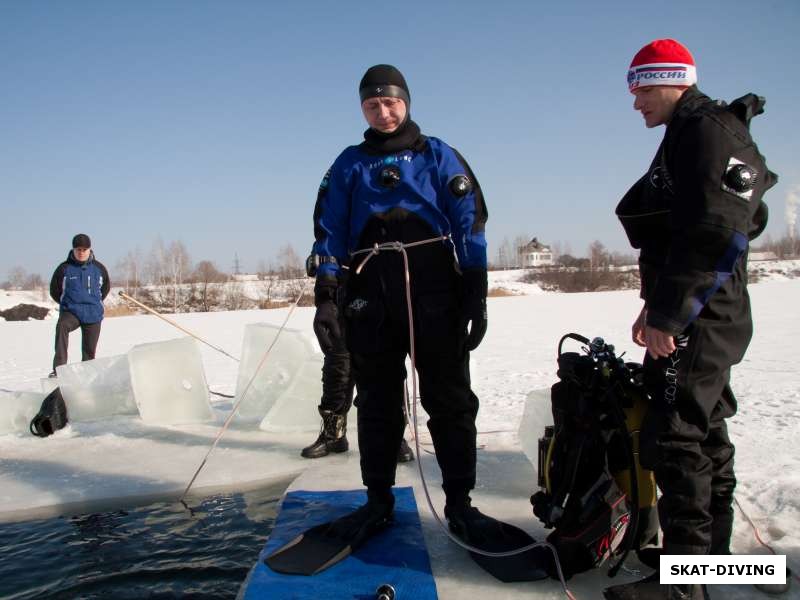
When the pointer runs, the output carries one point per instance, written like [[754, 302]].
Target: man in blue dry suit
[[401, 186]]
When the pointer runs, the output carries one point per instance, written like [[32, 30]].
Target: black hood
[[405, 137]]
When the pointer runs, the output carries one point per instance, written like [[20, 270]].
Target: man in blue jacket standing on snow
[[401, 188], [79, 285]]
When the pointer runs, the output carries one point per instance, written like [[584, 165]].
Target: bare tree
[[178, 267], [264, 269], [556, 251], [785, 247], [598, 256], [520, 240], [157, 264], [206, 275], [506, 254], [234, 296], [33, 281], [289, 265], [16, 278], [621, 259], [130, 269]]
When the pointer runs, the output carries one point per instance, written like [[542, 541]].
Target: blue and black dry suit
[[692, 216], [79, 288], [422, 191]]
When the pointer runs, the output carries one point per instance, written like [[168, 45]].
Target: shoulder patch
[[739, 178]]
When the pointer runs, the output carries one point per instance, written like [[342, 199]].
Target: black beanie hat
[[384, 80], [81, 241]]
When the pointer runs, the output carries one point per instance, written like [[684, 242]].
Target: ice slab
[[48, 384], [169, 384], [295, 409], [17, 409], [275, 375], [97, 388], [537, 415]]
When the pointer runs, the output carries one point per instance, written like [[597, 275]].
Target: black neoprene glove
[[326, 319], [476, 286]]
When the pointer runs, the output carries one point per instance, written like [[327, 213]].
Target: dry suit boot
[[488, 534], [650, 589], [332, 436], [404, 454]]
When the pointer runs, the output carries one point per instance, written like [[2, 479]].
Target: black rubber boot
[[471, 525], [332, 436], [404, 454], [361, 524]]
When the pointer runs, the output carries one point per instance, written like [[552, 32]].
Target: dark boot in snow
[[332, 436], [404, 454]]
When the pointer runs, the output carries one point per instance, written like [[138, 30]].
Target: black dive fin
[[309, 553], [325, 545], [489, 534]]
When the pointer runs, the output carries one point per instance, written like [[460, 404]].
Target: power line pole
[[236, 264]]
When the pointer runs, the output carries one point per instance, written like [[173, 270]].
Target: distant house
[[245, 277], [535, 254]]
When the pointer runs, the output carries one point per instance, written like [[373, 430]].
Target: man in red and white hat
[[692, 216]]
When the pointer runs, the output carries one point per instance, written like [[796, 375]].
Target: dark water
[[157, 551]]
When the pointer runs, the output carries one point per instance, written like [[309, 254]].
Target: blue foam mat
[[397, 556]]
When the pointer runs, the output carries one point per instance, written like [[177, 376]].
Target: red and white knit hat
[[662, 62]]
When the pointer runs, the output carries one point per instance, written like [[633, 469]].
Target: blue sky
[[212, 123]]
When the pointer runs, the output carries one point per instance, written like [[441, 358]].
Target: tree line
[[166, 277]]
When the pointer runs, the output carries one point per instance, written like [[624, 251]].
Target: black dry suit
[[692, 216]]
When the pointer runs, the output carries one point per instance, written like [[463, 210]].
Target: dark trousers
[[90, 334], [377, 333], [337, 378], [684, 439]]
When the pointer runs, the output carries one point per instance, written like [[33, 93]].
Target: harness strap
[[396, 246]]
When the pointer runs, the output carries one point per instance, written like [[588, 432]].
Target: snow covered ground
[[120, 460]]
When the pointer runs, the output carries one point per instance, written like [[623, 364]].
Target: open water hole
[[161, 550]]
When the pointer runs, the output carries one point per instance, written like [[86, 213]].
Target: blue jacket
[[351, 194], [80, 288]]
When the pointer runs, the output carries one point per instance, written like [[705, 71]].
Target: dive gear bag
[[52, 415]]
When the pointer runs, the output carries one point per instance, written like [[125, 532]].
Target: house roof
[[535, 244]]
